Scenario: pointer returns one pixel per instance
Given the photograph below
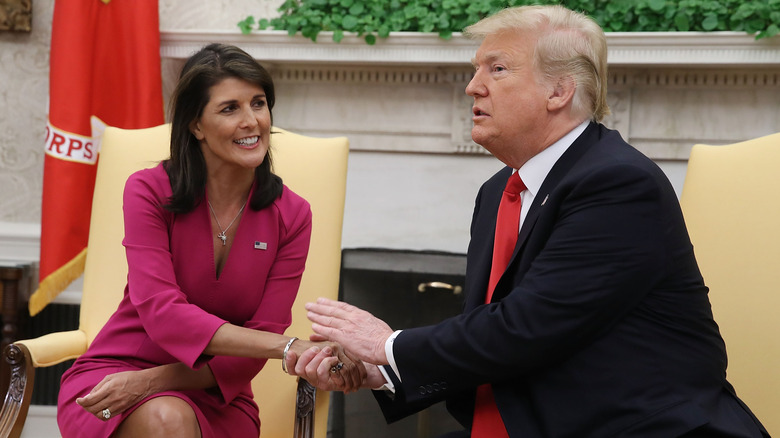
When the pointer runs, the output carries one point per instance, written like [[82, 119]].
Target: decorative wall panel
[[24, 90]]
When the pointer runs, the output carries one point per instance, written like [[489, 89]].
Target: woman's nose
[[248, 118]]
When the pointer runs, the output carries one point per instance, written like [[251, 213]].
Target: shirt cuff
[[389, 353], [388, 386]]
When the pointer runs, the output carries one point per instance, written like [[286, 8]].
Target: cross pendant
[[223, 237]]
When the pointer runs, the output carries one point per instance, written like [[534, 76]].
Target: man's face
[[510, 101]]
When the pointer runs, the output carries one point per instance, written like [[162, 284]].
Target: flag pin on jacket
[[261, 245], [544, 201]]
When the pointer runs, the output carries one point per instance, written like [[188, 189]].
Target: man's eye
[[498, 68]]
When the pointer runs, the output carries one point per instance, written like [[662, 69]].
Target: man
[[599, 324]]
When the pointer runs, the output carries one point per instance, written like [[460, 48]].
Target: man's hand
[[361, 333]]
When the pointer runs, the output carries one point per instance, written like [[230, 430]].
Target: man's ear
[[561, 94], [195, 130]]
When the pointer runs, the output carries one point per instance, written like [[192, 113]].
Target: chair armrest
[[54, 348], [18, 391], [23, 357]]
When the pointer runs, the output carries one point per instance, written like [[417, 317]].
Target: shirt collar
[[535, 170]]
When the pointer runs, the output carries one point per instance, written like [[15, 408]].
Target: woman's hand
[[326, 365], [315, 366], [116, 393]]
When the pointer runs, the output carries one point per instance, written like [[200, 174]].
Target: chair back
[[314, 168], [105, 271], [731, 203]]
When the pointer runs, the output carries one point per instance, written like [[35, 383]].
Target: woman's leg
[[164, 417]]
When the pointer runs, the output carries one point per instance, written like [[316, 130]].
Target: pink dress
[[174, 302]]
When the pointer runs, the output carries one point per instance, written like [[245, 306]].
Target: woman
[[203, 309]]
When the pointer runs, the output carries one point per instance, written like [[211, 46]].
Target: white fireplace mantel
[[626, 49], [666, 88]]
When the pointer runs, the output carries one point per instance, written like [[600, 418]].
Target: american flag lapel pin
[[261, 245]]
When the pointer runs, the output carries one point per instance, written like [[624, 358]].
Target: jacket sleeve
[[601, 247], [174, 324]]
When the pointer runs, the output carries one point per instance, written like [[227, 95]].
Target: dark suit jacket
[[600, 326]]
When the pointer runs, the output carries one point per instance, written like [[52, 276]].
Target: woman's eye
[[228, 109], [258, 103]]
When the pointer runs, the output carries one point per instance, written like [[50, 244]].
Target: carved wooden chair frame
[[22, 377]]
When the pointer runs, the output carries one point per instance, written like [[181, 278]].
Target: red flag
[[104, 70]]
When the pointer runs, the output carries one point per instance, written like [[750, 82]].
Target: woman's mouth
[[248, 142]]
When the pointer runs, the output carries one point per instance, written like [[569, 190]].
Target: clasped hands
[[359, 339]]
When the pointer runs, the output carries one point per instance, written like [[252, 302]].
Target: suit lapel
[[542, 199]]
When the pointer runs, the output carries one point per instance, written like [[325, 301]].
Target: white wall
[[412, 201]]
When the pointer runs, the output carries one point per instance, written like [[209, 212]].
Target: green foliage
[[377, 18]]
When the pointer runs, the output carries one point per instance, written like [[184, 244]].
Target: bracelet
[[284, 353]]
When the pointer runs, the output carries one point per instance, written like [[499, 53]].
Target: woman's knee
[[167, 417]]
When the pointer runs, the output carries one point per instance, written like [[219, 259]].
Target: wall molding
[[639, 49], [21, 242], [618, 76]]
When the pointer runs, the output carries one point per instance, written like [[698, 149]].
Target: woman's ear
[[195, 130], [561, 94]]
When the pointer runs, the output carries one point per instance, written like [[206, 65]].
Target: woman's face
[[235, 127]]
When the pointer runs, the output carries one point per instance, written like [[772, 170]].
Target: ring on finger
[[335, 368], [106, 414]]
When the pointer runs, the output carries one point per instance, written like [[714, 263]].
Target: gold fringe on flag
[[56, 282]]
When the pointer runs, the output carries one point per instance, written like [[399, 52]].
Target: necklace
[[222, 232]]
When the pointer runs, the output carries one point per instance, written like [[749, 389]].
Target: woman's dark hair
[[186, 167]]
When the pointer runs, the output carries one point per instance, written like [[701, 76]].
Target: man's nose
[[475, 86]]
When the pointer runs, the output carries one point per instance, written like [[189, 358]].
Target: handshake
[[345, 350]]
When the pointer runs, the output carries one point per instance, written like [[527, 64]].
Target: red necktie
[[487, 420]]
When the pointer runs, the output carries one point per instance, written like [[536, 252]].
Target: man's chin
[[481, 138]]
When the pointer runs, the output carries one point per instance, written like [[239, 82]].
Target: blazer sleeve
[[598, 247], [180, 328]]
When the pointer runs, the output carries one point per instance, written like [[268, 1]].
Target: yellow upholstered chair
[[731, 202], [315, 168]]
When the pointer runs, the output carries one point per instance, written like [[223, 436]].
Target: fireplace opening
[[406, 289]]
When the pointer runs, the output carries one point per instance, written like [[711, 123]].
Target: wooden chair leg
[[304, 409], [17, 399]]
